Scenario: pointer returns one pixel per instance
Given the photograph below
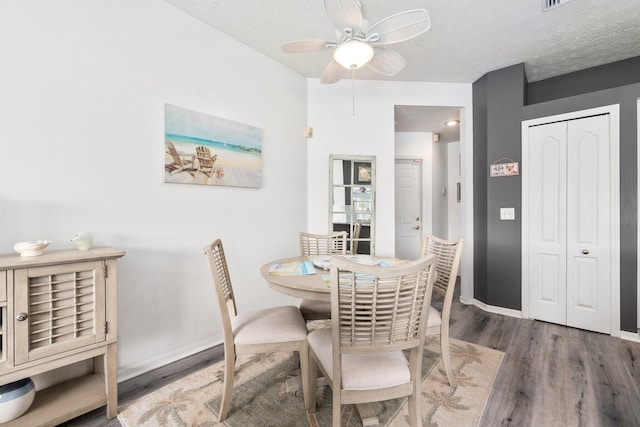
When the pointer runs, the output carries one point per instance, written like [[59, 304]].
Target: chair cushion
[[315, 307], [434, 318], [361, 371], [277, 324]]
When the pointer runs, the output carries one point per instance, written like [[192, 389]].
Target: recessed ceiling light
[[452, 122]]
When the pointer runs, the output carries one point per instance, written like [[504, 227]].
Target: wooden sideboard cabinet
[[58, 309]]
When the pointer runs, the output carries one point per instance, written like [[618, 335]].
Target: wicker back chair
[[277, 329], [376, 314], [323, 244], [320, 244], [448, 254]]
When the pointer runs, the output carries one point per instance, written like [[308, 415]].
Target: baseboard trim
[[629, 336], [497, 310], [466, 301]]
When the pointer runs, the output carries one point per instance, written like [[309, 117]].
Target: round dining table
[[311, 281], [305, 286]]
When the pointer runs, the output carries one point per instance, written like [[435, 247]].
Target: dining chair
[[276, 329], [320, 244], [448, 254], [377, 314]]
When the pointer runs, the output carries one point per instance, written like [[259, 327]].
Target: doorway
[[570, 219], [421, 135]]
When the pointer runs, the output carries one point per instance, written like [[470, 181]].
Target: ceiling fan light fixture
[[353, 54]]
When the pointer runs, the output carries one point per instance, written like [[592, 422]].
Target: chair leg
[[337, 413], [310, 393], [304, 373], [227, 387], [415, 419], [446, 358]]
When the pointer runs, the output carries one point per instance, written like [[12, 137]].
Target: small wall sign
[[504, 169]]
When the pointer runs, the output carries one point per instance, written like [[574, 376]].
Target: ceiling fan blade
[[332, 73], [400, 27], [307, 46], [344, 14], [386, 61]]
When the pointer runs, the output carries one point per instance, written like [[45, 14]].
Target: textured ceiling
[[467, 39]]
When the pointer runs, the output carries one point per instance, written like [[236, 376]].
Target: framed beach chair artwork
[[206, 150]]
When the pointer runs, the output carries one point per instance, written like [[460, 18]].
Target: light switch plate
[[507, 214]]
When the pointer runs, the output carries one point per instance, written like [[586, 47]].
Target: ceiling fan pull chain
[[353, 92]]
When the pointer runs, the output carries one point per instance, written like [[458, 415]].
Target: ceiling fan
[[358, 44]]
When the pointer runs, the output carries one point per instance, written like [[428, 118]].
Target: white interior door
[[588, 224], [569, 223], [408, 199]]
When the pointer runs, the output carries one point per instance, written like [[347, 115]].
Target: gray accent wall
[[499, 98], [500, 104]]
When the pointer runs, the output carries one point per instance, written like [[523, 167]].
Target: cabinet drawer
[[3, 286]]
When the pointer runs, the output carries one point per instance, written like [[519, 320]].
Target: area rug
[[260, 397]]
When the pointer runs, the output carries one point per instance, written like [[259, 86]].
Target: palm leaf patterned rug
[[260, 397]]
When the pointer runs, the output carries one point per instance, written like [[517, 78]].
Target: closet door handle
[[585, 251], [22, 317]]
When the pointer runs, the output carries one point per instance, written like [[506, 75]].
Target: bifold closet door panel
[[547, 222], [588, 224]]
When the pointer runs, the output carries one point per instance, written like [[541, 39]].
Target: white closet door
[[547, 224], [569, 223], [588, 224]]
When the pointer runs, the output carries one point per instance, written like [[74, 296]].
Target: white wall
[[370, 131], [441, 193], [453, 174], [82, 86]]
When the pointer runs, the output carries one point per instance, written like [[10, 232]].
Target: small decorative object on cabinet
[[59, 309], [83, 240]]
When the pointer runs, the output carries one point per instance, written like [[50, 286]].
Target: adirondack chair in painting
[[181, 162], [205, 161]]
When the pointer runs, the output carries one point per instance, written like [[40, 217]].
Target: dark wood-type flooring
[[551, 375]]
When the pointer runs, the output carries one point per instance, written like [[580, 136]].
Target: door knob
[[417, 227], [22, 316], [585, 251]]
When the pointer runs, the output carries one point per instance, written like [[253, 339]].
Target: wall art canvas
[[207, 150]]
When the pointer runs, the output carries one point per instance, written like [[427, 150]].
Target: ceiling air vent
[[552, 4]]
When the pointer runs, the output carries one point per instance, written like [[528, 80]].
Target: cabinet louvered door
[[58, 308]]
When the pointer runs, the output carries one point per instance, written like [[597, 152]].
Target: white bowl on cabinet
[[15, 399], [31, 248]]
